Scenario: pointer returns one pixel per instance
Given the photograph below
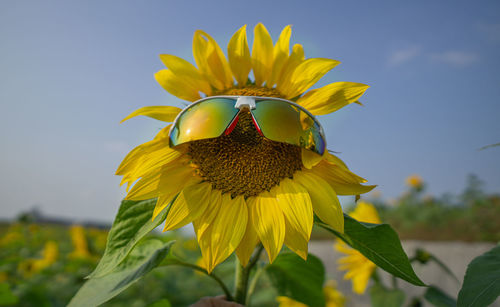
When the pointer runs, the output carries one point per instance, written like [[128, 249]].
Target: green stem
[[376, 278], [395, 282], [242, 275], [240, 282], [253, 284], [229, 297]]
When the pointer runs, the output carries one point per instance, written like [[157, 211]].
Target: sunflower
[[415, 181], [333, 297], [50, 254], [359, 268], [241, 189], [80, 245]]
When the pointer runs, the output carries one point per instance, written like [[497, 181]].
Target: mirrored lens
[[283, 122], [204, 120]]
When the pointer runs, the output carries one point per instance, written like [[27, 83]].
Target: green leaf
[[7, 298], [482, 280], [161, 303], [298, 279], [142, 259], [382, 297], [380, 244], [489, 146], [131, 224], [438, 298]]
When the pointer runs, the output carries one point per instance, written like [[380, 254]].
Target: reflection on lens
[[283, 122], [204, 120]]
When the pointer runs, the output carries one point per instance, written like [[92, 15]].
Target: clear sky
[[71, 70]]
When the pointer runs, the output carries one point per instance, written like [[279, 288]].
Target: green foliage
[[481, 284], [55, 285], [131, 224], [132, 251], [380, 244], [298, 279], [438, 298], [382, 297], [161, 303], [142, 259], [415, 215], [6, 295]]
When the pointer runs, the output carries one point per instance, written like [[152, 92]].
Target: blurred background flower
[[81, 249], [50, 254], [333, 297], [414, 181], [359, 268]]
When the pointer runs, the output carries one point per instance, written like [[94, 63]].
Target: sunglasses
[[276, 119]]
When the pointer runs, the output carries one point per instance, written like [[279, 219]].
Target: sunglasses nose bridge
[[245, 102]]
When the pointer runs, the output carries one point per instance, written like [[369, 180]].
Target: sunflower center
[[244, 162], [252, 90]]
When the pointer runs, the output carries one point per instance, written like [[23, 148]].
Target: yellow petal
[[338, 171], [269, 222], [211, 61], [332, 97], [203, 225], [341, 180], [342, 247], [351, 188], [162, 156], [296, 205], [281, 52], [342, 173], [333, 159], [169, 191], [366, 212], [262, 54], [162, 202], [150, 156], [248, 243], [146, 187], [307, 74], [176, 85], [360, 282], [324, 199], [189, 205], [187, 72], [239, 56], [289, 67], [163, 133], [135, 156], [225, 232], [163, 113], [310, 158], [295, 241], [205, 220], [288, 302], [161, 179]]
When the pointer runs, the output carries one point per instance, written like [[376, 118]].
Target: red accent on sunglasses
[[232, 125], [257, 126]]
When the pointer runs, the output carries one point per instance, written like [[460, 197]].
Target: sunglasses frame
[[249, 102]]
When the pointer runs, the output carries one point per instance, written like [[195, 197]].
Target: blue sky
[[70, 71]]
